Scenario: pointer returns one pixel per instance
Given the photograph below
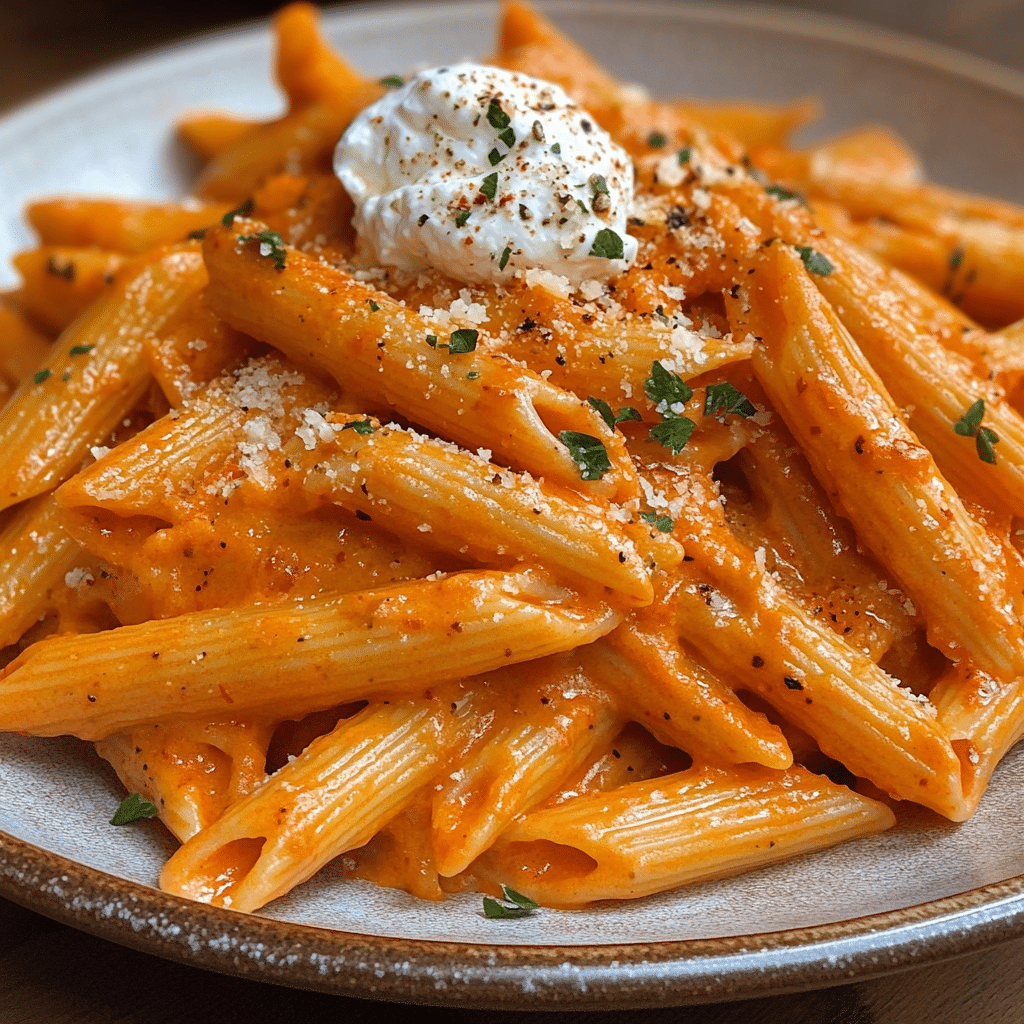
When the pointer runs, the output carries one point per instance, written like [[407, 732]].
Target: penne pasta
[[524, 731], [675, 830], [191, 772], [315, 808], [325, 652], [94, 376], [384, 355], [475, 573]]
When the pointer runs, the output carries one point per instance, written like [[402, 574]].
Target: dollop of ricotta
[[483, 174]]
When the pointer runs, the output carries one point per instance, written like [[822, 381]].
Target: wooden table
[[51, 974]]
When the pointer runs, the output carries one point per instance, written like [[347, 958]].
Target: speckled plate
[[923, 892]]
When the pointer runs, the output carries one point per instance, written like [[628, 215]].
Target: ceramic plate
[[922, 892]]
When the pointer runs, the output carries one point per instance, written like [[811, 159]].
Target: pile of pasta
[[592, 594]]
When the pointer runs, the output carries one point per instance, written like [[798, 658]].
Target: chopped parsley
[[778, 192], [495, 157], [956, 257], [515, 905], [271, 244], [598, 185], [751, 169], [814, 261], [432, 340], [392, 81], [133, 808], [42, 375], [503, 262], [463, 341], [496, 117], [670, 393], [65, 270], [627, 412], [969, 425], [461, 217], [239, 211], [673, 432], [663, 523], [472, 375], [80, 350], [666, 389], [607, 245], [684, 155], [656, 140], [605, 411], [359, 426], [373, 306], [723, 400], [556, 148], [198, 235], [489, 187], [588, 452]]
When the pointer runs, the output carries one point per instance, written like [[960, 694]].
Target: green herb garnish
[[588, 452], [723, 400], [598, 185], [359, 426], [684, 155], [814, 261], [666, 389], [556, 148], [373, 306], [461, 217], [673, 433], [496, 117], [521, 906], [133, 808], [495, 157], [42, 375], [432, 340], [489, 187], [778, 192], [751, 169], [670, 393], [472, 375], [463, 341], [607, 245], [239, 211], [627, 412], [80, 350], [656, 140], [503, 262], [198, 235], [969, 425], [271, 244], [392, 81], [65, 270], [604, 409], [663, 523]]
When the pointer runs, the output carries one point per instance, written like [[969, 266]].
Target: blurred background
[[46, 42]]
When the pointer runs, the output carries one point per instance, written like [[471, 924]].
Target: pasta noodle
[[591, 591]]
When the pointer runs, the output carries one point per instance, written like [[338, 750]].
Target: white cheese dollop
[[483, 174]]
